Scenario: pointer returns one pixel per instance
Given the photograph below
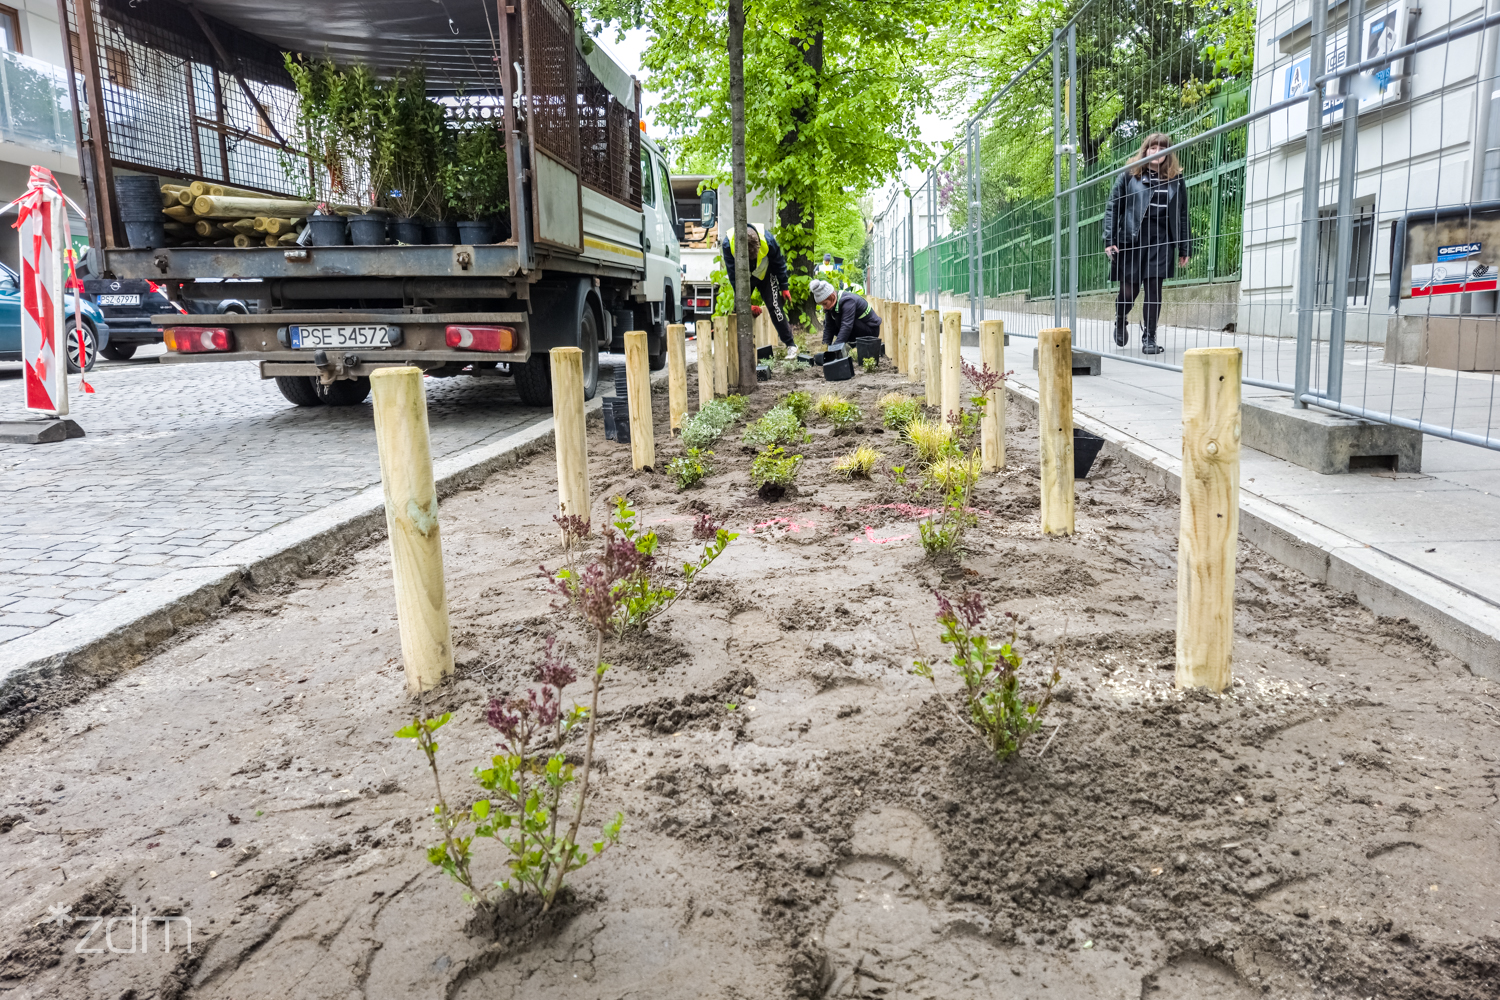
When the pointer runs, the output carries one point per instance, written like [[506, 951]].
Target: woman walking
[[1146, 235]]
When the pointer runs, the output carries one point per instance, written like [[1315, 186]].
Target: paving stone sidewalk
[[182, 461]]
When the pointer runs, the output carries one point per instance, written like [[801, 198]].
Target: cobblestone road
[[182, 461]]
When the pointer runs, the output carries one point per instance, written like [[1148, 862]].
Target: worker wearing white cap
[[846, 315]]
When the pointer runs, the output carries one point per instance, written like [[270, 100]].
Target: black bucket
[[476, 231], [146, 235], [609, 418], [439, 233], [841, 370], [138, 197], [367, 230], [328, 230], [765, 353], [869, 347], [408, 231], [1085, 449]]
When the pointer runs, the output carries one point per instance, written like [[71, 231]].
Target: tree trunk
[[745, 325]]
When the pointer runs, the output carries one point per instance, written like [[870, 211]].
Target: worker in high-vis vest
[[847, 316], [767, 276]]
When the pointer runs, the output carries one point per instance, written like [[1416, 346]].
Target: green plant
[[779, 426], [712, 419], [798, 402], [898, 473], [639, 590], [928, 438], [999, 711], [409, 137], [859, 462], [955, 476], [897, 410], [337, 112], [773, 471], [838, 411], [868, 364], [953, 468], [475, 181], [690, 468]]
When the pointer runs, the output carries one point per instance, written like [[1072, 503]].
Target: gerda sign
[[1457, 269]]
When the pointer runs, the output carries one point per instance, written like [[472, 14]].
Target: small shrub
[[689, 469], [955, 475], [928, 438], [712, 419], [859, 462], [738, 404], [868, 364], [773, 471], [799, 403], [838, 411], [1000, 713], [828, 403], [950, 470], [779, 426], [898, 409]]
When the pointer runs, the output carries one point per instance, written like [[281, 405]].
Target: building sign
[[1456, 270], [1379, 36]]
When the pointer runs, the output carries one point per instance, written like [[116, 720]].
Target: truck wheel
[[301, 390], [119, 352], [534, 378], [344, 392], [656, 362]]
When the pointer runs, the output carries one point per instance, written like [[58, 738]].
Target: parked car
[[76, 310]]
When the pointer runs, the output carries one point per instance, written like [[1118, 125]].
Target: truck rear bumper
[[274, 363]]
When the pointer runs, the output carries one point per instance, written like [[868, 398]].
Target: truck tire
[[345, 392], [656, 362], [534, 378], [300, 390], [119, 352]]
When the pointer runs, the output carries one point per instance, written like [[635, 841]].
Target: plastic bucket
[[367, 230], [841, 370], [328, 230], [869, 347], [407, 231], [439, 233], [1085, 449], [472, 231], [138, 197]]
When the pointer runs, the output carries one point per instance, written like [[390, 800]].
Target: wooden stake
[[992, 428], [932, 356], [1208, 539], [732, 352], [411, 519], [705, 342], [916, 353], [568, 431], [676, 374], [952, 350], [638, 384], [721, 356], [1055, 427]]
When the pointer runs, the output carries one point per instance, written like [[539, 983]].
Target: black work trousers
[[770, 295]]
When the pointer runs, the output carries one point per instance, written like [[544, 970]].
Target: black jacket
[[773, 249], [851, 317], [1128, 201]]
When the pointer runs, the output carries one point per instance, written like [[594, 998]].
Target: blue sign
[[1458, 251]]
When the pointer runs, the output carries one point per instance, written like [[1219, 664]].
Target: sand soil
[[804, 817]]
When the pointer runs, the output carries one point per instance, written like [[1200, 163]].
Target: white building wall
[[1415, 152]]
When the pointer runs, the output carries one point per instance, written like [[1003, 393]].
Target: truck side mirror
[[709, 202]]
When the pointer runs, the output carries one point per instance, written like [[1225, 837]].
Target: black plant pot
[[476, 231], [765, 353], [328, 230], [146, 235], [367, 230], [408, 231], [1085, 449], [439, 233], [138, 197], [841, 370], [869, 347]]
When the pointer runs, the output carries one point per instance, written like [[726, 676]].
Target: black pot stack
[[617, 410]]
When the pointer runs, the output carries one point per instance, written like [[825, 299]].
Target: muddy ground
[[1327, 829]]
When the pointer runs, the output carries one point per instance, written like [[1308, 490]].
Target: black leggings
[[1150, 309], [770, 296]]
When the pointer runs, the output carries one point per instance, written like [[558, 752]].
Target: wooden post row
[[1208, 539], [1055, 428], [638, 384], [705, 341], [952, 350], [568, 432], [992, 428], [411, 519], [721, 356], [915, 352], [677, 399], [932, 366]]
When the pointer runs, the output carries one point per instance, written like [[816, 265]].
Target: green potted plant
[[336, 114], [409, 135], [475, 181]]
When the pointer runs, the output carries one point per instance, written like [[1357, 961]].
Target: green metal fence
[[1016, 243]]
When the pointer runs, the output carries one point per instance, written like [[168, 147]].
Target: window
[[10, 29], [117, 68], [1363, 239], [648, 184], [669, 207]]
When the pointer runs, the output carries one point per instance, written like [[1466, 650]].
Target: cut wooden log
[[180, 212], [273, 225], [232, 207], [175, 194], [199, 188], [242, 241], [246, 226]]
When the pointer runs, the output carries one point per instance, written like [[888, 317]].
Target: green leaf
[[407, 732], [481, 809]]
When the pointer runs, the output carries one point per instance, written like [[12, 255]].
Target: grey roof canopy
[[453, 38]]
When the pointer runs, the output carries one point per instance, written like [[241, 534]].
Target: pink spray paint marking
[[870, 537], [790, 524]]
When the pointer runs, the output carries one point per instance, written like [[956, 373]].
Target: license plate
[[323, 337], [119, 300]]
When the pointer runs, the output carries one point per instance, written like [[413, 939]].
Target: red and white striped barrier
[[43, 222]]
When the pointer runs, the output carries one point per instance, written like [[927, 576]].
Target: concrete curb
[[1456, 621], [125, 629]]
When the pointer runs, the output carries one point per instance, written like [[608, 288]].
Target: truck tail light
[[493, 339], [198, 339]]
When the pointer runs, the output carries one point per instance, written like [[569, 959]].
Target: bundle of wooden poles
[[213, 215]]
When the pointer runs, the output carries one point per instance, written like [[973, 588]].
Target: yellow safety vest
[[762, 261]]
